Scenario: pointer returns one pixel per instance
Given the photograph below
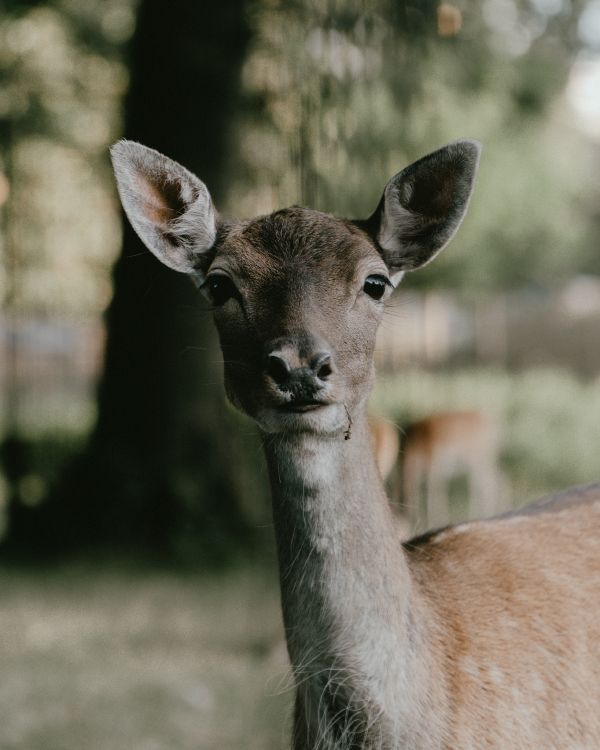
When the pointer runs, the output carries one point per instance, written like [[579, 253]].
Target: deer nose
[[278, 368], [289, 364], [321, 365]]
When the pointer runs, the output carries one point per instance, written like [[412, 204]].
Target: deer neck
[[349, 606]]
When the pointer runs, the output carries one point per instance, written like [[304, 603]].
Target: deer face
[[297, 299], [297, 295]]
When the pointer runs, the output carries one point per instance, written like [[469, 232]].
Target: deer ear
[[423, 205], [170, 208]]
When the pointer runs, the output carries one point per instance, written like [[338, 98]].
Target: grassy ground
[[129, 661]]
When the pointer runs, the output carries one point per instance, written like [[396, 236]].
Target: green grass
[[129, 661], [550, 419]]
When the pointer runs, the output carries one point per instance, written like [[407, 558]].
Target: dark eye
[[219, 288], [375, 286]]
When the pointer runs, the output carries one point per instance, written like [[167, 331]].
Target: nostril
[[321, 365], [278, 368]]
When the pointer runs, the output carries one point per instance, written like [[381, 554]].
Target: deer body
[[517, 599], [481, 636], [475, 636]]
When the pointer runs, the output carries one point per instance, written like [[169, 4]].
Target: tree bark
[[161, 416], [157, 474]]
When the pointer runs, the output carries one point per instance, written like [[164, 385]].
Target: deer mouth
[[300, 407], [305, 416]]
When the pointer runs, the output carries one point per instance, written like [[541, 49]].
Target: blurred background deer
[[420, 461]]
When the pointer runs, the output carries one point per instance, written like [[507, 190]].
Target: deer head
[[298, 294]]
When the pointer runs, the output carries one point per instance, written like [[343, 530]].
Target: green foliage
[[527, 222], [61, 83], [339, 101], [339, 96]]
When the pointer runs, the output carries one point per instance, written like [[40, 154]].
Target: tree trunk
[[161, 422], [159, 472]]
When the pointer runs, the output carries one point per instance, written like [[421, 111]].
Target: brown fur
[[518, 597]]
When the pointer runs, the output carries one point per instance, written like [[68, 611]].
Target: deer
[[386, 445], [481, 635], [433, 451], [440, 447]]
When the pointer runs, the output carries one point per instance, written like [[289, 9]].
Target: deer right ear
[[170, 208], [423, 205]]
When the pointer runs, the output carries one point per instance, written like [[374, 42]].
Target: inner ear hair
[[166, 201], [423, 205]]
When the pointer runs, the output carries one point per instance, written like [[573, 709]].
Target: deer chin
[[327, 419]]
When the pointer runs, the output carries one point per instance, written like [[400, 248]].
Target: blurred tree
[[61, 79], [349, 96], [333, 85], [158, 469], [162, 437]]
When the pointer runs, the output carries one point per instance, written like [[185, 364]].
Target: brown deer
[[440, 447], [385, 441], [386, 445], [485, 635], [435, 450]]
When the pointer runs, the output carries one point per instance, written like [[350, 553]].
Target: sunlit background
[[138, 603]]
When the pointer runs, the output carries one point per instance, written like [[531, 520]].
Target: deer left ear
[[423, 205], [169, 207]]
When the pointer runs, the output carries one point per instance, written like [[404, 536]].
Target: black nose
[[278, 368], [296, 366], [321, 365]]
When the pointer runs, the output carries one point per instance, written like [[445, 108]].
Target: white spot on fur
[[319, 468], [470, 667], [496, 675]]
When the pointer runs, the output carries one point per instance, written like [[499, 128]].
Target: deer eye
[[375, 286], [219, 289]]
